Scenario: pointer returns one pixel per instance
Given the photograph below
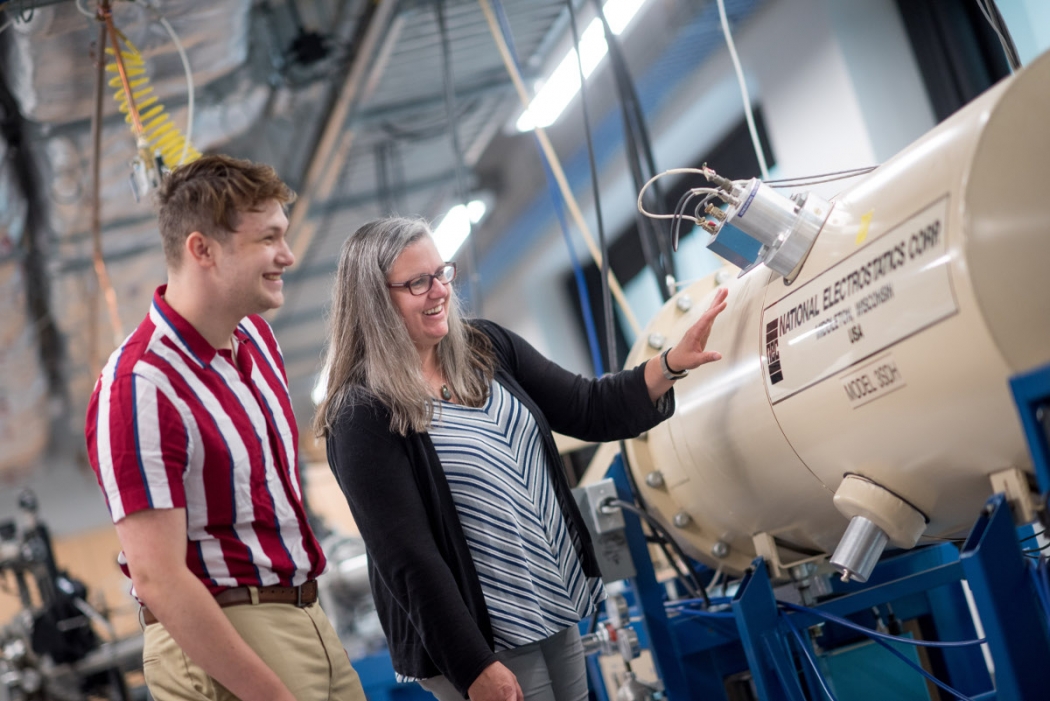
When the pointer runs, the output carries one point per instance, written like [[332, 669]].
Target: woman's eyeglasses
[[421, 284]]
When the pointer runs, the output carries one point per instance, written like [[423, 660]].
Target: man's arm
[[154, 543]]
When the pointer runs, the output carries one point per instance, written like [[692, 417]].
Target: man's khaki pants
[[299, 644]]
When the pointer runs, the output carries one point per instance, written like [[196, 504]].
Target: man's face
[[251, 262]]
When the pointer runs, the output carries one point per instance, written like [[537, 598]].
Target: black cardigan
[[426, 590]]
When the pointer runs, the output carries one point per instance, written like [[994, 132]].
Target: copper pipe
[[104, 282], [107, 16]]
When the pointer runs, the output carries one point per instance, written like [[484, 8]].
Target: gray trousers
[[549, 670]]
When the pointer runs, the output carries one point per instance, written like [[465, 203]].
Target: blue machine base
[[695, 655]]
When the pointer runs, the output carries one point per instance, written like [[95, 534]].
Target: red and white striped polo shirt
[[174, 423]]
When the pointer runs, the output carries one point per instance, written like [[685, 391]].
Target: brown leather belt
[[303, 595]]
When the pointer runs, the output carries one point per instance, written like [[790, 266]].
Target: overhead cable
[[559, 210], [556, 168], [752, 129], [995, 19], [638, 147], [101, 273], [461, 185], [603, 245], [190, 89]]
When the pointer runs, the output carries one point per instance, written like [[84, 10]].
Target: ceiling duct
[[50, 69]]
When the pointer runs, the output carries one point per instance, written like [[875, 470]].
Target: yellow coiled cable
[[158, 131]]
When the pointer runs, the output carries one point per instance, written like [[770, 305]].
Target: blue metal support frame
[[650, 598], [1031, 392], [1007, 603], [768, 654], [694, 655]]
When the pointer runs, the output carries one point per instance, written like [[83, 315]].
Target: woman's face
[[425, 315]]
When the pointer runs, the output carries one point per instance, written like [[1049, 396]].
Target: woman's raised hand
[[691, 352]]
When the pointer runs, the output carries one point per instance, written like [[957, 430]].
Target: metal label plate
[[893, 287]]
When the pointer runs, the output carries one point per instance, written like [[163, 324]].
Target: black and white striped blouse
[[530, 574]]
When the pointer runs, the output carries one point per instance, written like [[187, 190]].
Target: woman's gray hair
[[369, 351]]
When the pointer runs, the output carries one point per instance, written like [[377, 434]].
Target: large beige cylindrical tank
[[887, 358]]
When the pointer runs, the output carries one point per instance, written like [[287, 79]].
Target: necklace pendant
[[446, 393]]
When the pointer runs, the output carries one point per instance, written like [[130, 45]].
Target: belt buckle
[[299, 596]]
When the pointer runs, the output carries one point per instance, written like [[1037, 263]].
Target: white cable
[[84, 11], [694, 191], [714, 580], [641, 193], [763, 168], [189, 75]]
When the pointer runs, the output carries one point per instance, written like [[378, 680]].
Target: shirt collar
[[183, 332]]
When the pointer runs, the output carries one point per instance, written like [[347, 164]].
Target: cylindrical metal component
[[628, 644], [720, 549], [791, 249], [617, 611], [654, 479], [887, 358], [763, 213], [684, 303], [657, 340], [858, 551], [681, 519], [591, 643]]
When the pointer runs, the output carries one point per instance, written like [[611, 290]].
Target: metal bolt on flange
[[656, 340], [655, 479], [681, 519], [684, 303], [720, 549]]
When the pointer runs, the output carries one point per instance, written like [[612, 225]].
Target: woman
[[439, 432]]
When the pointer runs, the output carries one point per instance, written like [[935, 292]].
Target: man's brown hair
[[208, 195]]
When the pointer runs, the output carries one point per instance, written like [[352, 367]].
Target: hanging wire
[[638, 145], [918, 668], [105, 284], [603, 246], [807, 653], [1034, 535], [883, 640], [457, 149], [804, 181], [874, 634], [752, 129], [695, 589], [559, 210], [548, 151], [190, 88], [995, 19]]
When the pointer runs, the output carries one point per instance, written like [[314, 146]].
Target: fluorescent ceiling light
[[455, 227], [564, 82]]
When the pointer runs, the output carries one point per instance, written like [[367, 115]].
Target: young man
[[191, 434]]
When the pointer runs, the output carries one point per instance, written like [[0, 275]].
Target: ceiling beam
[[330, 152], [492, 86]]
